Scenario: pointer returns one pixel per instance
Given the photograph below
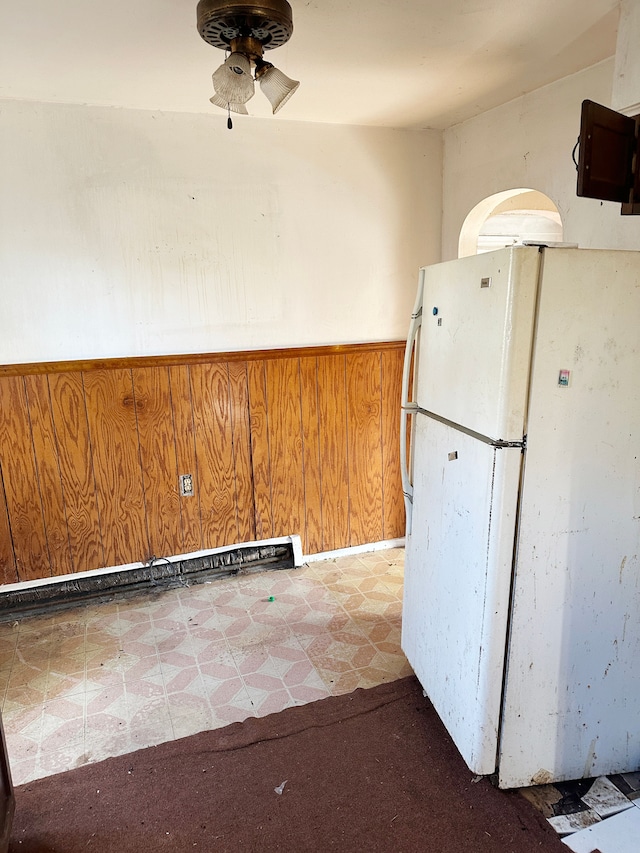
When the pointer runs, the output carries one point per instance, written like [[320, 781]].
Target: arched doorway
[[507, 218]]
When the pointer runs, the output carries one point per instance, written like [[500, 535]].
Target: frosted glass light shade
[[277, 87], [233, 82], [235, 108]]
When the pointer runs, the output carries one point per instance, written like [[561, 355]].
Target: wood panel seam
[[178, 359]]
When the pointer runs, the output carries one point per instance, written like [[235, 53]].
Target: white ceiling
[[398, 63]]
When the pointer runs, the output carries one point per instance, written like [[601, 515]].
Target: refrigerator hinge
[[501, 444]]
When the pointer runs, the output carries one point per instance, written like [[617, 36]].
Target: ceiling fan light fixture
[[232, 81], [235, 108], [269, 21], [238, 63], [275, 85], [247, 28]]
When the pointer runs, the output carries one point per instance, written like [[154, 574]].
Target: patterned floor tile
[[28, 675], [231, 692], [205, 632], [191, 723], [23, 741], [57, 760], [256, 634], [338, 683], [58, 734], [26, 695], [189, 713], [99, 677], [6, 658], [4, 681], [147, 713], [104, 730], [23, 770], [101, 744], [108, 624], [143, 736], [234, 712], [269, 700], [304, 693], [318, 624], [108, 678], [215, 659], [186, 678], [109, 700]]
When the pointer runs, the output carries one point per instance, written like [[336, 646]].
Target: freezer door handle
[[408, 406], [405, 463]]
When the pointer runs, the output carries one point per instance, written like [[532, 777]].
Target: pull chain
[[229, 122]]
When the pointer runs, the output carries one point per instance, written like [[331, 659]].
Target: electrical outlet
[[186, 486]]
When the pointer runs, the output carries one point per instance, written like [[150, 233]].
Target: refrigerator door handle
[[407, 486], [408, 407]]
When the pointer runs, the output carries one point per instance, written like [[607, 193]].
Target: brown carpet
[[370, 771]]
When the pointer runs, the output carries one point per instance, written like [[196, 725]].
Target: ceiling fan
[[246, 30]]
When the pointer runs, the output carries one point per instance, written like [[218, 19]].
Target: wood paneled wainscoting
[[278, 442]]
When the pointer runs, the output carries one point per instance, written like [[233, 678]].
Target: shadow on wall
[[507, 218]]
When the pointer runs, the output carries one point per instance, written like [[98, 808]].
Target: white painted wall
[[128, 233], [528, 143], [626, 78]]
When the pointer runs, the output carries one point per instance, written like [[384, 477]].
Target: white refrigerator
[[521, 436]]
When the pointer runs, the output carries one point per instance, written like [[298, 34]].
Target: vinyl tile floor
[[104, 679]]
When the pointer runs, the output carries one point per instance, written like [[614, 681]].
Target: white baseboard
[[357, 549]]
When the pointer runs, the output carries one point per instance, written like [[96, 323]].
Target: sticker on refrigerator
[[563, 378]]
